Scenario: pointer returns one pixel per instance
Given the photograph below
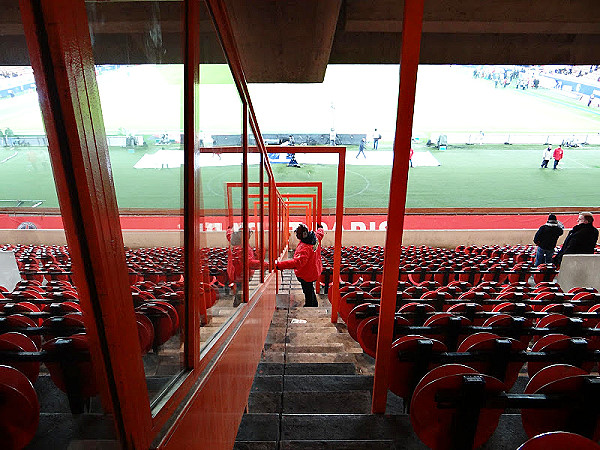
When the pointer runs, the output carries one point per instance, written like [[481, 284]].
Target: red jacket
[[307, 259], [558, 153], [235, 258]]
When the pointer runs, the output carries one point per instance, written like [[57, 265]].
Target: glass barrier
[[221, 129], [265, 218], [53, 390], [254, 210], [143, 116]]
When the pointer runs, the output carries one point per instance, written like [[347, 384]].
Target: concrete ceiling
[[294, 40]]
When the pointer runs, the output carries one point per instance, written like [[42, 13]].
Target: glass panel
[[140, 78], [265, 218], [221, 129], [254, 202], [39, 303]]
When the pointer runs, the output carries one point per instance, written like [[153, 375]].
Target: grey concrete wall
[[579, 270]]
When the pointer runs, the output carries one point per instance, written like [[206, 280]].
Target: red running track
[[367, 223]]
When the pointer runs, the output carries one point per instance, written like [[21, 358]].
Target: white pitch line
[[368, 183], [9, 157], [581, 164]]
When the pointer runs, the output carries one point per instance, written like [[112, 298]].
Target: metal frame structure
[[411, 43], [299, 204], [60, 47], [339, 212]]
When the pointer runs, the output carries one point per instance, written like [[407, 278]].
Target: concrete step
[[259, 427], [311, 322], [328, 429], [330, 347], [89, 444], [338, 445], [350, 427], [317, 337], [306, 369], [333, 347], [255, 445], [322, 383], [351, 402], [341, 402], [265, 402], [312, 312], [328, 383], [354, 358], [273, 357]]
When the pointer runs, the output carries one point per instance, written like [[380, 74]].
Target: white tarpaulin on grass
[[170, 159]]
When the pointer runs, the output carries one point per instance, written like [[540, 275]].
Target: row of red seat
[[450, 332], [157, 264], [44, 324]]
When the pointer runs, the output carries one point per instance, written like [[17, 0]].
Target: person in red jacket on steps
[[306, 262]]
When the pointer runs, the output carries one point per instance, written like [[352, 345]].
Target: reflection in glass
[[143, 116], [254, 208], [265, 218], [220, 140], [39, 301]]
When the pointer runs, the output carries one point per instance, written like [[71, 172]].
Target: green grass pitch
[[469, 176]]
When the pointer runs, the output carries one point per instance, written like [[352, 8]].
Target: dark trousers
[[556, 163], [308, 287], [544, 163]]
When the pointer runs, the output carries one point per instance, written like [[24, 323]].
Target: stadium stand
[[142, 344]]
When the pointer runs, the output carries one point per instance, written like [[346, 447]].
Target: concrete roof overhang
[[292, 41]]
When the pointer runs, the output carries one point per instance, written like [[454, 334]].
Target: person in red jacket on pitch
[[306, 263], [558, 154]]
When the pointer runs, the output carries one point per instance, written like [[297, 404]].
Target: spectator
[[545, 238], [235, 266], [557, 155], [581, 239], [546, 157], [376, 137], [293, 162], [332, 137], [306, 262], [361, 148]]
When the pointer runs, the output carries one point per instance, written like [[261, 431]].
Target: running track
[[367, 223]]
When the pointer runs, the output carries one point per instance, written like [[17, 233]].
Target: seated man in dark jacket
[[581, 239], [546, 238]]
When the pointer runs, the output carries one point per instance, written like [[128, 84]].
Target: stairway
[[313, 386]]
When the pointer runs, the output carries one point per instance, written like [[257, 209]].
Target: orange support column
[[412, 24], [337, 250], [57, 34], [195, 299], [261, 241], [245, 191]]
